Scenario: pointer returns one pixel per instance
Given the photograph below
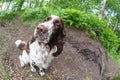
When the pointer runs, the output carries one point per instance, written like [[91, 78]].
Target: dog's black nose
[[41, 29]]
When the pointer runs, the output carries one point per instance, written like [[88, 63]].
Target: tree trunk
[[20, 3], [8, 6], [102, 9], [36, 3], [41, 3], [2, 5], [116, 25]]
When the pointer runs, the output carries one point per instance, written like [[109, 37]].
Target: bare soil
[[82, 58]]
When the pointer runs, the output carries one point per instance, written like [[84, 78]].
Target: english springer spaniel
[[46, 43]]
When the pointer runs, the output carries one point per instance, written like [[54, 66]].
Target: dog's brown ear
[[63, 28], [58, 36], [59, 49]]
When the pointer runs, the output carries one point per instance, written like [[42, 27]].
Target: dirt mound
[[81, 59]]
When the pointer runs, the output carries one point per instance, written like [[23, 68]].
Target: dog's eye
[[57, 23], [47, 19]]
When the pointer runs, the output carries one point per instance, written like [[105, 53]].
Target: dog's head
[[51, 29]]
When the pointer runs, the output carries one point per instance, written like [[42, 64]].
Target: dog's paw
[[33, 69], [53, 50], [22, 64], [42, 73]]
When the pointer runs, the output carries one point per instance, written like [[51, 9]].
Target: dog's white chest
[[39, 54]]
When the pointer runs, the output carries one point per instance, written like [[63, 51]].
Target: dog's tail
[[20, 44]]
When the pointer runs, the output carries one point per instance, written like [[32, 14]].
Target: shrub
[[7, 16], [92, 24], [34, 15]]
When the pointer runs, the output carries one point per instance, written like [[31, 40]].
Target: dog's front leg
[[21, 61], [42, 72], [53, 50], [32, 66]]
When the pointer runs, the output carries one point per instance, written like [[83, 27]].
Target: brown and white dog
[[46, 43]]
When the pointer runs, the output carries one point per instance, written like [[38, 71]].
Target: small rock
[[31, 75], [70, 78]]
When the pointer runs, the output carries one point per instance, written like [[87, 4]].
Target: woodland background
[[101, 18]]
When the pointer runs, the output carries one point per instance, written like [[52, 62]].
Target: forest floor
[[78, 61]]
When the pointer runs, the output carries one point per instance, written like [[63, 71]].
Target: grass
[[87, 78], [118, 76], [34, 76], [3, 50], [5, 74], [37, 76]]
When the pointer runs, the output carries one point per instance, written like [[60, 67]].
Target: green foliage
[[109, 39], [87, 78], [34, 15], [93, 34], [92, 24], [0, 4], [117, 31], [80, 19], [83, 5], [19, 4], [65, 4], [7, 16], [6, 74], [117, 76]]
